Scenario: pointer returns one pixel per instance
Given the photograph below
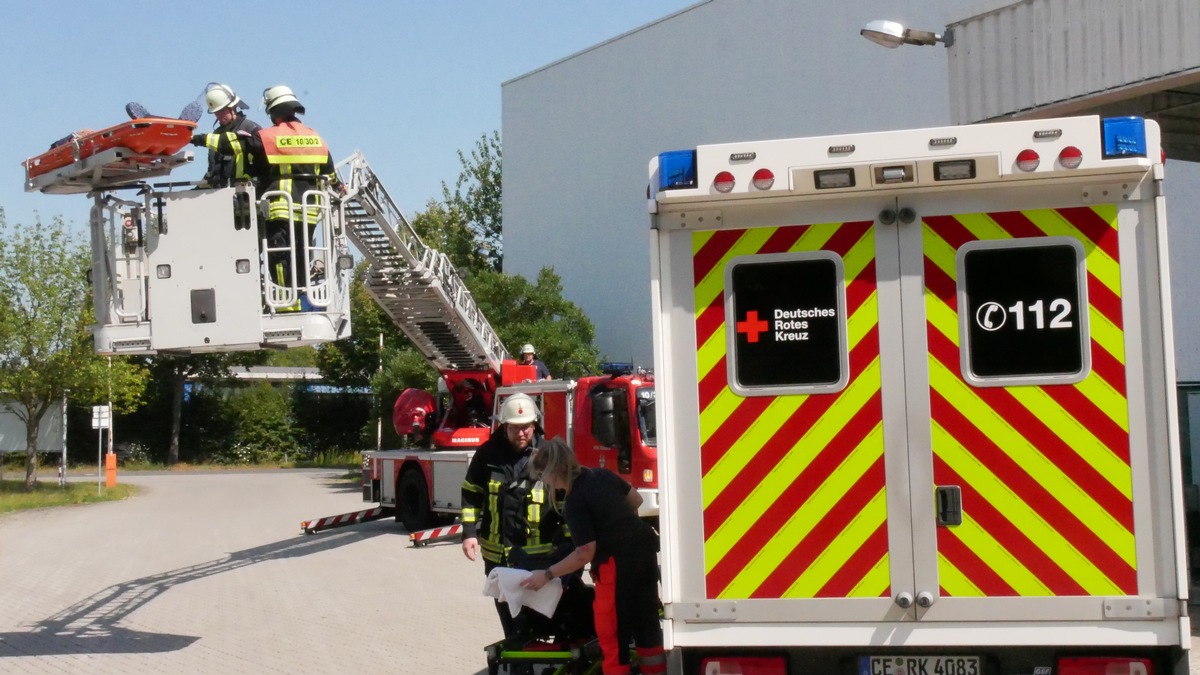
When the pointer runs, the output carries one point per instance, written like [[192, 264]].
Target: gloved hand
[[199, 139]]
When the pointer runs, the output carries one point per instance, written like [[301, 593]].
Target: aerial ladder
[[415, 285], [422, 293]]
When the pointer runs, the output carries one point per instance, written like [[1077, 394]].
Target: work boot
[[317, 273], [136, 111], [191, 112]]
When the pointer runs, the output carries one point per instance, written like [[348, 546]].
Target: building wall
[[578, 133], [1032, 53]]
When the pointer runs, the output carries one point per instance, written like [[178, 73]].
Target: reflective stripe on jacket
[[296, 157]]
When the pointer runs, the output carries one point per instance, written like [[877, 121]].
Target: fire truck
[[181, 269], [608, 419], [917, 403]]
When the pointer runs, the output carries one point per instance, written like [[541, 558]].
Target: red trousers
[[626, 608]]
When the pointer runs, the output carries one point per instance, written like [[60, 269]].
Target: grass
[[14, 465], [13, 496]]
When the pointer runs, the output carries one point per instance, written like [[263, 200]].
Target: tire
[[412, 501]]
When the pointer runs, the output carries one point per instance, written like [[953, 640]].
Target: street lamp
[[892, 34]]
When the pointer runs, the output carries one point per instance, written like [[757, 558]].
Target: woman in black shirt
[[601, 511]]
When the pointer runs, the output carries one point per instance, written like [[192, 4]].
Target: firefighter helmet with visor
[[219, 97], [518, 409]]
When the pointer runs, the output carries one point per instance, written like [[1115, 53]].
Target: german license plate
[[919, 664]]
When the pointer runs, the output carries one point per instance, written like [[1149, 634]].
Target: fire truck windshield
[[645, 413]]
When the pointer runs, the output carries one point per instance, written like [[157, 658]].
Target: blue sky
[[408, 83]]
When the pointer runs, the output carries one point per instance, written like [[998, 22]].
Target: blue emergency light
[[1123, 137], [677, 170]]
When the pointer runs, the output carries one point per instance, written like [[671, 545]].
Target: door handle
[[949, 505]]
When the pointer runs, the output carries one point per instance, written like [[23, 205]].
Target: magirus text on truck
[[917, 403]]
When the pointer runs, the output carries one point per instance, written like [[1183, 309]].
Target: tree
[[445, 227], [175, 371], [537, 313], [477, 194], [45, 347]]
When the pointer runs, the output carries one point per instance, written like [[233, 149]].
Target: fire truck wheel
[[412, 501]]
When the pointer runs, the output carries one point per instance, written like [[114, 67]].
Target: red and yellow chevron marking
[[793, 485], [1044, 470]]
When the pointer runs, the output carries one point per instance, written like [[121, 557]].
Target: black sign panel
[[1026, 312], [785, 326]]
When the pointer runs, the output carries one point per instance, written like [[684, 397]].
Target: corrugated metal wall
[[1033, 53]]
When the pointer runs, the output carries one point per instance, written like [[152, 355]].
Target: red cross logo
[[752, 326]]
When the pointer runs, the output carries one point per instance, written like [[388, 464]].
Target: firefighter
[[228, 159], [288, 159], [529, 358], [601, 511], [506, 516]]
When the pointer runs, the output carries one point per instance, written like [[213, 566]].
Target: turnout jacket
[[510, 514], [228, 157], [289, 157]]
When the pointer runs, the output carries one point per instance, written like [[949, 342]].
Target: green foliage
[[353, 362], [334, 458], [207, 429], [447, 228], [300, 357], [331, 421], [538, 313], [134, 453], [45, 347], [476, 198], [171, 372], [263, 429]]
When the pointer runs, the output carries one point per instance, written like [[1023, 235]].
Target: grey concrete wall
[[578, 133]]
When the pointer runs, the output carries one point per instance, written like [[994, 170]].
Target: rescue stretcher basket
[[544, 657]]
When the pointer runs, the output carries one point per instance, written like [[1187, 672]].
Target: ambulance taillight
[[1070, 157], [723, 182], [763, 179], [1104, 665], [744, 665], [1028, 160]]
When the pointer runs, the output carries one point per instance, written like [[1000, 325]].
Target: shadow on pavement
[[343, 483], [91, 625]]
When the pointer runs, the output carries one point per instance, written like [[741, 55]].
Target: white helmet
[[220, 97], [528, 349], [278, 95], [518, 409]]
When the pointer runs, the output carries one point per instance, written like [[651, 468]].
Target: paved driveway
[[208, 573]]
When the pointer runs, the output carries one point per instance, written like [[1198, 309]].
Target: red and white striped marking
[[436, 534], [311, 526]]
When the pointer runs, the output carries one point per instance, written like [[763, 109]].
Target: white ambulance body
[[917, 397]]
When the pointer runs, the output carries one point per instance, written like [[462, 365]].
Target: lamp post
[[892, 34]]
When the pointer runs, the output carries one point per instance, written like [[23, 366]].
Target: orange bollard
[[110, 469]]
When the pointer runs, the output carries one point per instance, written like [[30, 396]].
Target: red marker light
[[1070, 157], [723, 182], [1028, 160], [763, 179]]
